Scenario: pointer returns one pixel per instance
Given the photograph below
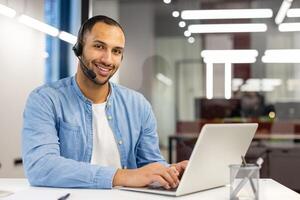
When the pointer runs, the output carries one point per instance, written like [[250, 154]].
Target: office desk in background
[[269, 190], [192, 137]]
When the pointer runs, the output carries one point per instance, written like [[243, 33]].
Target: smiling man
[[84, 131]]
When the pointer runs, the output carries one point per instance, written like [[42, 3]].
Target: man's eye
[[99, 46], [117, 52]]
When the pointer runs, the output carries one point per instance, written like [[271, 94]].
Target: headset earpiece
[[77, 48]]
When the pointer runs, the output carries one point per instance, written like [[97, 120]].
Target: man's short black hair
[[89, 24]]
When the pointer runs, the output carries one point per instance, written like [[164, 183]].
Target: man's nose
[[106, 57]]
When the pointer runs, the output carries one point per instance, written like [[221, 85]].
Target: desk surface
[[269, 190]]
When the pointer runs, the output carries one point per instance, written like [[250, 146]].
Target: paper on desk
[[38, 194]]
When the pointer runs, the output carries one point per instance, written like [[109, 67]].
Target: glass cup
[[244, 182]]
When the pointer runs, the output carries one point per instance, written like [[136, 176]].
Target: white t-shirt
[[105, 149]]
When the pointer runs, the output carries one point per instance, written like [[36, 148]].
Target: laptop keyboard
[[155, 187]]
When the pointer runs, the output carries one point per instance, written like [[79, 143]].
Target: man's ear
[[122, 57]]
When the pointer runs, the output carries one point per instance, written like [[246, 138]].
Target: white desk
[[269, 190]]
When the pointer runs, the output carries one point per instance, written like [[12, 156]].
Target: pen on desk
[[64, 197]]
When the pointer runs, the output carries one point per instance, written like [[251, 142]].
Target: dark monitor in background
[[215, 108], [287, 110]]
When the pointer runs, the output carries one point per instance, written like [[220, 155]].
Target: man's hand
[[144, 176], [180, 167], [168, 177]]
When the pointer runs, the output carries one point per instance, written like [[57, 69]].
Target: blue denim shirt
[[57, 135]]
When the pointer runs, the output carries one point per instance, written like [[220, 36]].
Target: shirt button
[[109, 118], [109, 104], [120, 142]]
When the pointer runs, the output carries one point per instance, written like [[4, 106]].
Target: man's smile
[[103, 71]]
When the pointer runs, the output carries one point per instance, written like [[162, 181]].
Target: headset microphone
[[77, 48], [88, 72]]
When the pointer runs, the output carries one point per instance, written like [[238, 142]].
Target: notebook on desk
[[217, 146]]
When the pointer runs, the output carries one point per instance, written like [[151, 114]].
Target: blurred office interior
[[196, 61]]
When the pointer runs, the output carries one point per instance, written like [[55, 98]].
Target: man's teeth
[[103, 69]]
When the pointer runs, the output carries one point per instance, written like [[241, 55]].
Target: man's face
[[103, 50]]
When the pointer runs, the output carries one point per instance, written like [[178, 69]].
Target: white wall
[[21, 69]]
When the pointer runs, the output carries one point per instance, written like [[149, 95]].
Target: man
[[85, 131]]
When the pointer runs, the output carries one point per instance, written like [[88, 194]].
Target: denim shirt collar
[[86, 100]]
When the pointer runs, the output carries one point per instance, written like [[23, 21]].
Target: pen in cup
[[259, 162]]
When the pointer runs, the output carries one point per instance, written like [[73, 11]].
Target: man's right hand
[[144, 176]]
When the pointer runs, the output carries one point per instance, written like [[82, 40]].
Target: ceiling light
[[286, 4], [227, 28], [230, 60], [165, 80], [175, 14], [72, 39], [230, 52], [209, 80], [187, 33], [38, 25], [6, 11], [281, 56], [227, 80], [167, 1], [229, 56], [264, 85], [191, 40], [236, 83], [293, 12], [227, 14], [289, 27], [182, 24]]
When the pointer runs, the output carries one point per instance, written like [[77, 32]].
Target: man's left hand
[[180, 167]]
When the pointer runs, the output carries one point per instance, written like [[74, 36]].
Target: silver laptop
[[217, 146]]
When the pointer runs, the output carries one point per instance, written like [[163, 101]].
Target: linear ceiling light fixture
[[226, 14], [227, 81], [67, 37], [164, 79], [281, 56], [230, 56], [6, 11], [227, 28], [260, 85], [286, 4], [209, 80], [38, 25], [289, 27], [293, 12], [227, 57]]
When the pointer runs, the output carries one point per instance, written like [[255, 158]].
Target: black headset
[[77, 49]]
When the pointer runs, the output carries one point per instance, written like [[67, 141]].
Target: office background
[[165, 64]]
